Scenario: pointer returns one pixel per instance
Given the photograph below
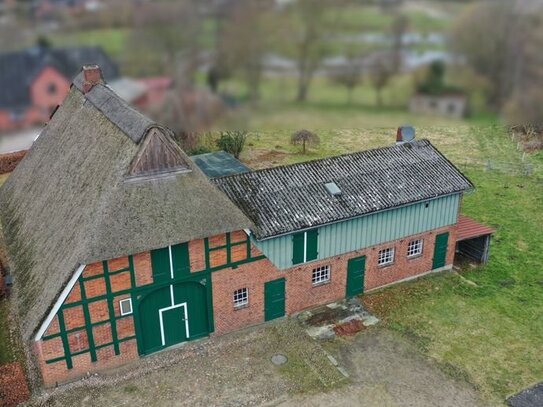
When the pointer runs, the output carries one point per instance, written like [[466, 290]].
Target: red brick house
[[127, 247], [36, 80]]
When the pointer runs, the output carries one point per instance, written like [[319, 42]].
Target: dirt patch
[[327, 315], [13, 385], [386, 370], [350, 328], [261, 158]]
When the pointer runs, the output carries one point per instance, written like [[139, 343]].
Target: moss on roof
[[68, 203]]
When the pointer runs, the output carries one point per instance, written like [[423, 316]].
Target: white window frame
[[241, 298], [414, 247], [386, 256], [129, 301], [321, 275]]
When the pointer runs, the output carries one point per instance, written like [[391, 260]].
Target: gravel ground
[[386, 371], [236, 370], [232, 370]]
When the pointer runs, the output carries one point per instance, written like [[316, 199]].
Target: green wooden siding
[[370, 230]]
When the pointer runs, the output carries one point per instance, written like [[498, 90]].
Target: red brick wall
[[74, 318], [39, 89], [301, 294]]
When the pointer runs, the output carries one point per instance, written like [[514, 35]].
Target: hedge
[[13, 385]]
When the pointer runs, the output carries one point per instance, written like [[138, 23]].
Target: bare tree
[[398, 29], [246, 37], [167, 32], [525, 107], [349, 75], [305, 27], [485, 35], [304, 137], [380, 76]]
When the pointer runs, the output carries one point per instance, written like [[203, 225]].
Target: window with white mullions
[[386, 256], [320, 275], [414, 248], [241, 297], [125, 306]]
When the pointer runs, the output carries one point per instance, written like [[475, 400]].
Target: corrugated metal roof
[[288, 198], [468, 228]]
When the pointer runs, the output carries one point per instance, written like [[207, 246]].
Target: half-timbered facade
[[128, 248]]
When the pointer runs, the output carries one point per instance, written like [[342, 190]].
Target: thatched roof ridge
[[68, 202]]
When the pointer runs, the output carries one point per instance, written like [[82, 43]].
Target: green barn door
[[355, 276], [274, 299], [440, 250], [173, 314]]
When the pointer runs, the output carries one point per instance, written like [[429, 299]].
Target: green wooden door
[[355, 276], [170, 259], [274, 299], [172, 314], [440, 250], [173, 322]]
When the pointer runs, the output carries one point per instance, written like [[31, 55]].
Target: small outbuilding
[[473, 239]]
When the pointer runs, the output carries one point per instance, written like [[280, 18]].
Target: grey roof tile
[[288, 198]]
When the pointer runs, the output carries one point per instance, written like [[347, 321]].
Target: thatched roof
[[69, 201]]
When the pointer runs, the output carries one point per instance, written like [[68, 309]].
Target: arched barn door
[[172, 314]]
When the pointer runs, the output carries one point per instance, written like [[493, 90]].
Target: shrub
[[232, 142], [13, 385]]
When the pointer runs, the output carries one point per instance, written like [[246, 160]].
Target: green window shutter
[[180, 257], [160, 261], [297, 248], [312, 244]]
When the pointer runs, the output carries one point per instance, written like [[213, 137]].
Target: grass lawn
[[489, 331], [112, 40]]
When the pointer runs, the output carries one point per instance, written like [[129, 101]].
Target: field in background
[[485, 324]]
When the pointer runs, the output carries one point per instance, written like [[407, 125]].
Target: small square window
[[386, 256], [241, 298], [414, 248], [321, 275], [126, 306]]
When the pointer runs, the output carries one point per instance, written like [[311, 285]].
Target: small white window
[[125, 306], [386, 256], [414, 248], [320, 275], [241, 297]]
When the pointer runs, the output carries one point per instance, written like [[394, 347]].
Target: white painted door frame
[[160, 311]]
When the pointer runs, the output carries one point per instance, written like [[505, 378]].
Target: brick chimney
[[399, 137], [92, 75]]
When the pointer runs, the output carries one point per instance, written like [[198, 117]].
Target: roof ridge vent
[[332, 188]]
